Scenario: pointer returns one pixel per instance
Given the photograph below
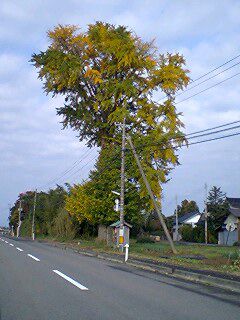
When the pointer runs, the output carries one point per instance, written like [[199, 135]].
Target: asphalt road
[[38, 281]]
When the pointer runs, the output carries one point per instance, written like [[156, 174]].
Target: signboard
[[121, 236], [230, 226]]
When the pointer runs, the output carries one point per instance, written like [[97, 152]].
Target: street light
[[115, 192]]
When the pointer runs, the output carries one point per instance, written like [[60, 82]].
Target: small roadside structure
[[229, 231], [190, 218], [115, 232]]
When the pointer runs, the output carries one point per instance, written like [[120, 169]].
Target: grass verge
[[197, 256]]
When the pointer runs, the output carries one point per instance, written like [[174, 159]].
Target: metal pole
[[19, 218], [206, 215], [169, 238], [126, 252], [33, 217], [121, 229]]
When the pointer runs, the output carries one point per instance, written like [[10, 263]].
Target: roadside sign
[[121, 236]]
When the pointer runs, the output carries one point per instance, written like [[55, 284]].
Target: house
[[229, 232], [190, 218]]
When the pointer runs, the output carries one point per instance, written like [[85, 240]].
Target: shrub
[[145, 239], [236, 244], [63, 226], [26, 228], [187, 233]]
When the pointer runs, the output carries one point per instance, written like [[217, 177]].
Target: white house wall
[[192, 220], [231, 219]]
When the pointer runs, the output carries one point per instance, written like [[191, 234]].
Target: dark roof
[[235, 212], [187, 216], [117, 224], [234, 204]]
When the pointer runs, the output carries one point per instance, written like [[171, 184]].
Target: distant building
[[190, 218], [229, 232]]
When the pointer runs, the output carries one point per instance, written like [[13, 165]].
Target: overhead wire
[[216, 84], [198, 84], [205, 74], [212, 128], [218, 67], [75, 164]]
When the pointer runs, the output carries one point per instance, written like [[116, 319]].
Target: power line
[[217, 138], [76, 163], [198, 84], [74, 173], [223, 125], [205, 74], [188, 144], [236, 74], [214, 132], [184, 145]]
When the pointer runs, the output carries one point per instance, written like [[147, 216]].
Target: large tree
[[107, 73], [92, 201]]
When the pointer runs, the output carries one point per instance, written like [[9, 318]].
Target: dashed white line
[[34, 258], [11, 244], [75, 283], [19, 249]]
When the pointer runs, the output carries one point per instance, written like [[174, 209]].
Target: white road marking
[[34, 258], [11, 244], [19, 249], [75, 283]]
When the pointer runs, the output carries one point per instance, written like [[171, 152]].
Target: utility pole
[[169, 238], [206, 215], [19, 218], [9, 206], [33, 217], [121, 229], [176, 222]]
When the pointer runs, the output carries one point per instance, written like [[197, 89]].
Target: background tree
[[218, 208], [108, 73], [186, 207], [216, 196], [49, 212]]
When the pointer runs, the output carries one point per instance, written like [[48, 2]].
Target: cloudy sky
[[34, 150]]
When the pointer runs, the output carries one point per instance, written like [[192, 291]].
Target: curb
[[218, 282], [221, 283]]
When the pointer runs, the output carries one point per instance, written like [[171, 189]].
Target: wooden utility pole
[[206, 215], [121, 229], [33, 217], [19, 218], [176, 222], [169, 238]]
